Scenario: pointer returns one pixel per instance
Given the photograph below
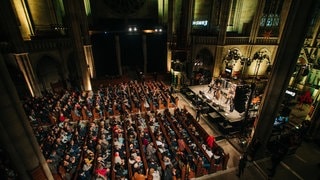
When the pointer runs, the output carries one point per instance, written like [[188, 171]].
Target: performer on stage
[[217, 89], [230, 95], [210, 87]]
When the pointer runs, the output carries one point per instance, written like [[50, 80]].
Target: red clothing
[[62, 118], [211, 141], [181, 145], [102, 172]]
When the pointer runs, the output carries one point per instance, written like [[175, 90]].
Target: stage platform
[[218, 110]]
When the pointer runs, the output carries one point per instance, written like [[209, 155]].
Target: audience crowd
[[131, 130]]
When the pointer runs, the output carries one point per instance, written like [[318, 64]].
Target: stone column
[[86, 40], [170, 31], [118, 54], [89, 59], [256, 21], [16, 134], [283, 16], [74, 17], [283, 67], [11, 28], [223, 21], [219, 57], [27, 71]]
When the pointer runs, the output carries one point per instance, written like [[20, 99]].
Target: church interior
[[162, 89]]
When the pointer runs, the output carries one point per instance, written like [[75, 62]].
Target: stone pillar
[[9, 23], [283, 67], [283, 16], [118, 54], [256, 21], [16, 134], [86, 40], [219, 57], [89, 59], [223, 21], [74, 17], [27, 71], [145, 55], [185, 23], [170, 31], [170, 26]]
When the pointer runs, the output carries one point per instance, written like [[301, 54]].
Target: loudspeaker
[[240, 98]]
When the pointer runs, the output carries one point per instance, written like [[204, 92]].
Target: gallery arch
[[48, 73], [260, 64], [202, 66]]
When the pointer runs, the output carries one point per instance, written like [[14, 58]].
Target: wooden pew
[[196, 141], [159, 155], [130, 172], [204, 135], [169, 142], [143, 157]]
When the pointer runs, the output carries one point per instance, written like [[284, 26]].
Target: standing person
[[276, 158], [242, 165], [210, 87], [198, 113], [167, 173], [231, 105]]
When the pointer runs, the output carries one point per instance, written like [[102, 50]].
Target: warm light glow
[[19, 58], [148, 31], [87, 84], [169, 56], [25, 24], [89, 59]]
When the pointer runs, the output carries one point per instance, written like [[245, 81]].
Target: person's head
[[151, 171], [140, 171]]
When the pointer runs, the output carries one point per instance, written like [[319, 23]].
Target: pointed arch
[[260, 63], [204, 65], [48, 72]]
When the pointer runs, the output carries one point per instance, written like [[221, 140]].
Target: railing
[[45, 44], [204, 40], [234, 40], [237, 40], [269, 41]]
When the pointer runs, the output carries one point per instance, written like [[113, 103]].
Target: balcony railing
[[234, 40], [237, 40], [47, 44], [204, 40], [267, 41]]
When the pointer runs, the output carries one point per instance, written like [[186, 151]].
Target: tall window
[[270, 21], [232, 12]]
